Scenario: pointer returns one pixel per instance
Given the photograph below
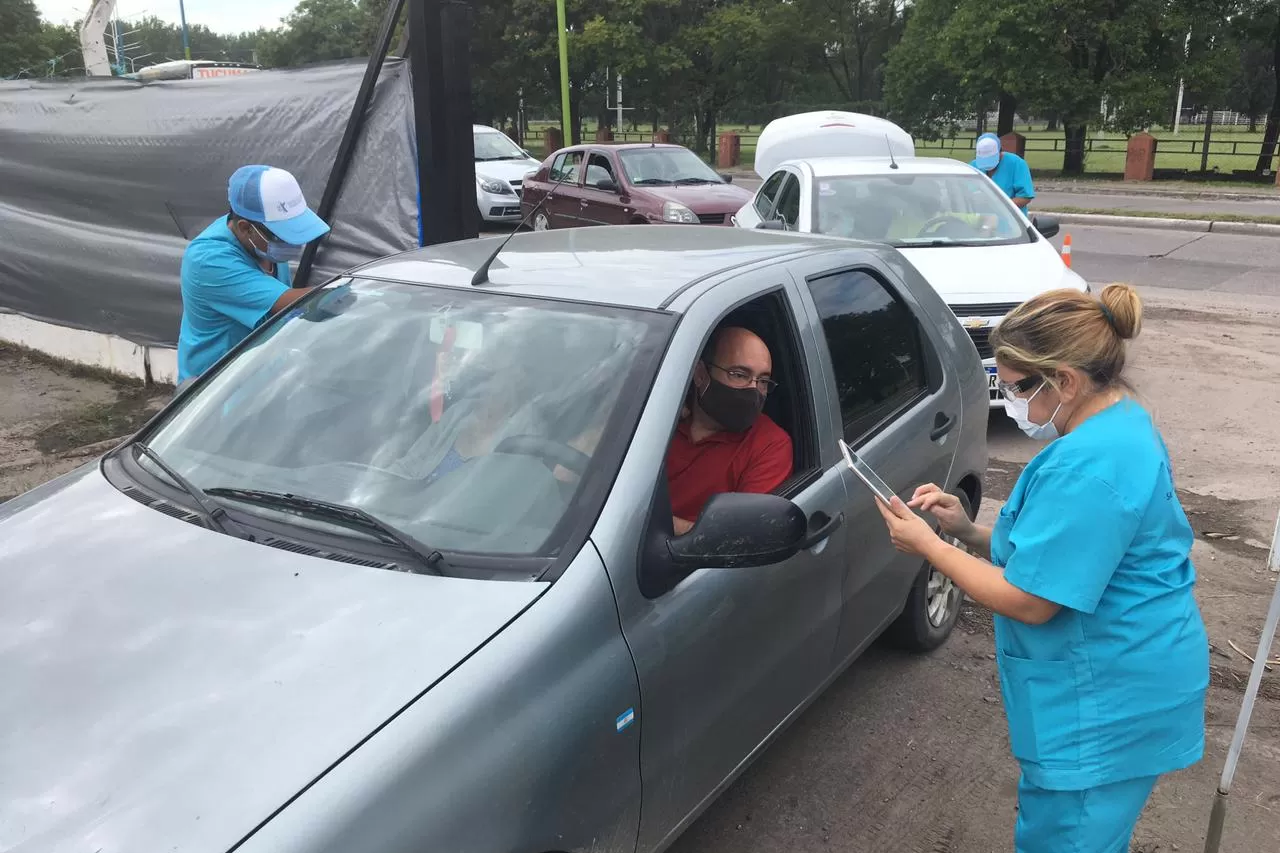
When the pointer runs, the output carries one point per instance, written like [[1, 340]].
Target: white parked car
[[949, 220], [501, 166]]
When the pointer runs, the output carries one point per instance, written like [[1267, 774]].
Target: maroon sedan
[[629, 184]]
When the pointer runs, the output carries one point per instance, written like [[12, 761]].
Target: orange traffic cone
[[1066, 251]]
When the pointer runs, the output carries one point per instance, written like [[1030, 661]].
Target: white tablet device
[[866, 474]]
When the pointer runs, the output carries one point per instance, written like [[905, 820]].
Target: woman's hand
[[945, 507], [910, 533]]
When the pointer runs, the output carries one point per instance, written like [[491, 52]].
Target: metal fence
[[1107, 153]]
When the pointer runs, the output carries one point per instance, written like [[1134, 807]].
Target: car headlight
[[493, 185], [674, 212]]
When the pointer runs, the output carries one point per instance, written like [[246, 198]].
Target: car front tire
[[541, 222], [933, 605]]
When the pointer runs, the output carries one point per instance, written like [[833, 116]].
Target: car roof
[[639, 266], [825, 167], [619, 146]]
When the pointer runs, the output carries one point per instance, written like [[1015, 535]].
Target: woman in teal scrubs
[[1102, 653]]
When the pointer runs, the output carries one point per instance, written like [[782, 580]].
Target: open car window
[[918, 210], [470, 420]]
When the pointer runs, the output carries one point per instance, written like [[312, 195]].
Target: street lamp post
[[564, 73], [186, 42]]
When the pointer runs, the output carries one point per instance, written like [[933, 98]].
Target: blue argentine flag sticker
[[625, 719]]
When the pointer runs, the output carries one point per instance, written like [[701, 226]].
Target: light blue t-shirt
[[225, 294], [1013, 176], [1113, 686]]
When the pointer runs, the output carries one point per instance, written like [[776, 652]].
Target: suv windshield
[[491, 145], [468, 420], [918, 210], [659, 166]]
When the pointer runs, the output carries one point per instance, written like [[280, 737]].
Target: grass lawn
[[1230, 148]]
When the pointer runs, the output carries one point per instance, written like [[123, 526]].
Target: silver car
[[398, 574]]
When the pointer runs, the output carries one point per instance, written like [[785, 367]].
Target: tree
[[1069, 56], [853, 37], [22, 42], [1252, 86], [316, 31]]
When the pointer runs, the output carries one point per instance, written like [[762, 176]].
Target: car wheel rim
[[942, 596], [540, 223]]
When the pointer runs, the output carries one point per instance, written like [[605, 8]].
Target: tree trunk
[[980, 126], [1253, 123], [1272, 131], [1008, 109], [1204, 145], [1052, 127], [1073, 156], [575, 119]]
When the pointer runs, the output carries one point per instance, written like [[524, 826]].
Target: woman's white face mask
[[1019, 409]]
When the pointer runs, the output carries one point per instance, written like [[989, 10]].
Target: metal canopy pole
[[1218, 815], [350, 136], [440, 64]]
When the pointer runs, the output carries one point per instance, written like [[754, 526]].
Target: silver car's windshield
[[491, 145], [471, 421], [666, 166], [917, 210]]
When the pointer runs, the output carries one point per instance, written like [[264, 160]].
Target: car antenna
[[482, 273], [893, 164]]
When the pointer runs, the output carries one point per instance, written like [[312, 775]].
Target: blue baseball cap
[[272, 196], [988, 151]]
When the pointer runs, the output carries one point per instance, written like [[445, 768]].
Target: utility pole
[[565, 115], [186, 42]]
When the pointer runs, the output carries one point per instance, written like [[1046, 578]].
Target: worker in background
[[236, 273], [1009, 171]]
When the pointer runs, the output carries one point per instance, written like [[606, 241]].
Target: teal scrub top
[[225, 294], [1113, 686]]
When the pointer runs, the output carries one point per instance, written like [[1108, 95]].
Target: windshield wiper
[[341, 514], [652, 182], [697, 181], [211, 512]]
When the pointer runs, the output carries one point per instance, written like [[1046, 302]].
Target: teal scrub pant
[[1095, 820]]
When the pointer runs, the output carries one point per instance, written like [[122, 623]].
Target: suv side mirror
[[608, 185], [728, 179], [1048, 226], [737, 530], [773, 225]]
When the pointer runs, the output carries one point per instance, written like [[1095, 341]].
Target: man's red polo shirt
[[758, 460]]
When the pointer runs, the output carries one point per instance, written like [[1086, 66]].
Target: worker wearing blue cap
[[1009, 171], [236, 272]]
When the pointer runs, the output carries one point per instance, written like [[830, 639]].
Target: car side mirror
[[728, 179], [1048, 226], [773, 225], [738, 530], [608, 185]]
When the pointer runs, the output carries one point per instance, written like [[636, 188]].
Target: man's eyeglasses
[[1010, 390], [739, 378]]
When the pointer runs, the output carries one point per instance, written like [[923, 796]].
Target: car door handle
[[942, 424], [824, 531]]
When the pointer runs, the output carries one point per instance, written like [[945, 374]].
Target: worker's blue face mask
[[276, 251]]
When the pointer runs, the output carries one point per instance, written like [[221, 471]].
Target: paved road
[[1121, 203], [1221, 263]]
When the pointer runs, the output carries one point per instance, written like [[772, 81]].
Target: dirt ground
[[911, 753]]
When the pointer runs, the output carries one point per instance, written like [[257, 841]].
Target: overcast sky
[[224, 16]]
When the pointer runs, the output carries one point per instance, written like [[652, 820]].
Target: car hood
[[507, 170], [168, 688], [703, 198], [966, 275]]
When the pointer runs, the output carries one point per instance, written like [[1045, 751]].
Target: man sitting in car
[[724, 441]]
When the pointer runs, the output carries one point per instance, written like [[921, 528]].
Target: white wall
[[92, 349]]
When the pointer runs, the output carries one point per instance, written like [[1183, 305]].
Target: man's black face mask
[[735, 409]]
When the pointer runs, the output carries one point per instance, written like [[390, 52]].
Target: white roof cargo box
[[829, 134]]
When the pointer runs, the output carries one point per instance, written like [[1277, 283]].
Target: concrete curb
[[1260, 195], [1201, 226]]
